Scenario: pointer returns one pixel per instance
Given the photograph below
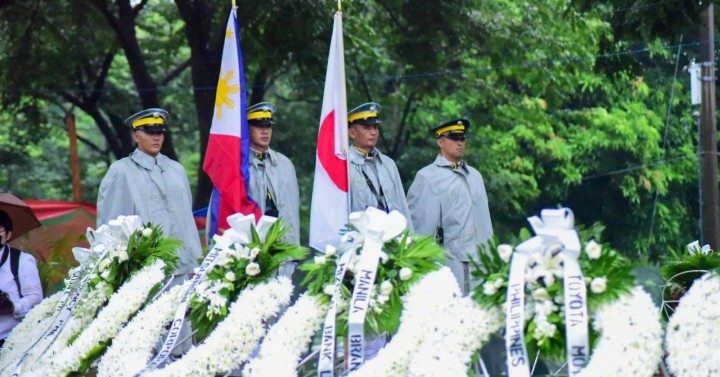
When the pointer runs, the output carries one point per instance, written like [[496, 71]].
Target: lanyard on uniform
[[382, 204]]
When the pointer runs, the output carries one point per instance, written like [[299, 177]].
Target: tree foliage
[[575, 103]]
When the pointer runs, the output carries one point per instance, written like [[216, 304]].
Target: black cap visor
[[152, 128]]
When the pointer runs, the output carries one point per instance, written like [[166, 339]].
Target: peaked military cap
[[365, 114], [261, 114], [454, 129], [149, 120]]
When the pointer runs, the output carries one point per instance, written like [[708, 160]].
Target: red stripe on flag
[[335, 167], [222, 164]]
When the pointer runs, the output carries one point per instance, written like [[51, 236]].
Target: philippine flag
[[330, 199], [227, 155]]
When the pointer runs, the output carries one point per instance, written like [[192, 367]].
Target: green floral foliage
[[679, 269], [405, 260], [607, 275], [145, 246], [236, 269]]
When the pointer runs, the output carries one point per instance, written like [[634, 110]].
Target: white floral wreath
[[630, 342], [133, 347], [121, 306], [288, 339], [439, 331], [693, 336], [231, 343]]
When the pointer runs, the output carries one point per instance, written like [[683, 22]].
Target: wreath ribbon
[[240, 232], [554, 229], [376, 227]]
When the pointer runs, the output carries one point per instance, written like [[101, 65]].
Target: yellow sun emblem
[[224, 90]]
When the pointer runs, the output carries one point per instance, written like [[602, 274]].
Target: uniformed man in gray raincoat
[[374, 177], [154, 187], [273, 182], [447, 199]]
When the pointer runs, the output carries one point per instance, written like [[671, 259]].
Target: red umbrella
[[22, 216]]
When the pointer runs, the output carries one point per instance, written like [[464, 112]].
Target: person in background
[[273, 182], [374, 177], [447, 199], [20, 287], [154, 187]]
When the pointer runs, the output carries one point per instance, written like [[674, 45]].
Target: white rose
[[329, 290], [498, 282], [505, 251], [230, 276], [320, 259], [383, 299], [598, 285], [330, 250], [386, 287], [252, 269], [489, 289], [147, 232], [254, 252], [593, 249], [549, 280], [405, 273], [104, 264], [123, 256]]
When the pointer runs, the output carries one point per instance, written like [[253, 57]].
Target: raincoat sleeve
[[293, 209], [114, 195], [400, 194], [424, 205], [30, 285]]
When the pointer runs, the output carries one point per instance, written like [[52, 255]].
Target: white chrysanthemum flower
[[252, 269], [593, 249], [147, 232], [598, 285], [122, 305], [254, 252], [230, 276], [405, 273], [505, 251], [320, 259], [384, 258], [630, 342], [287, 340]]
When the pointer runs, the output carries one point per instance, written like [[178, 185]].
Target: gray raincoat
[[376, 167], [157, 190], [455, 200], [276, 174]]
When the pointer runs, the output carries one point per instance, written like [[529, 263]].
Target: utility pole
[[709, 207]]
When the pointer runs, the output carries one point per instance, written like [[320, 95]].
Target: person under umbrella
[[20, 287]]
